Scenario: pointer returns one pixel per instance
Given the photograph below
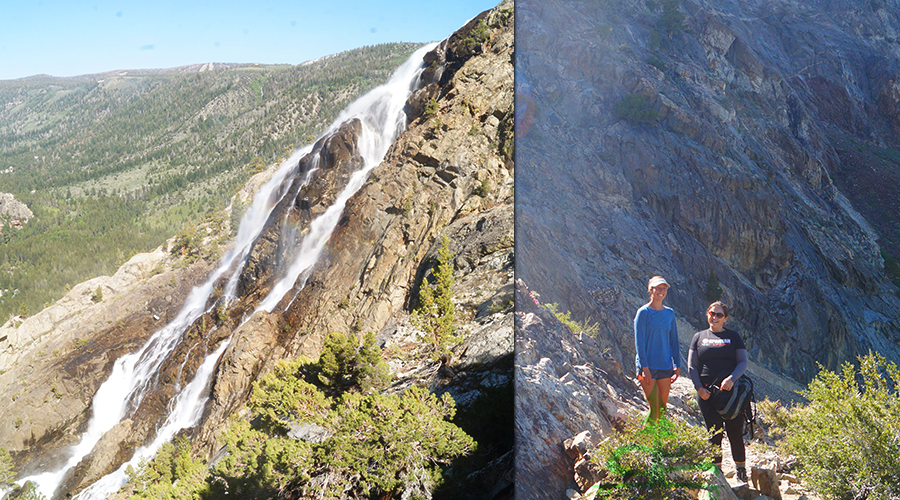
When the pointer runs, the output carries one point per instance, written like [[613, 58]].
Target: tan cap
[[656, 281]]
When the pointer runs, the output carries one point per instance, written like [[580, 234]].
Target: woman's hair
[[720, 304]]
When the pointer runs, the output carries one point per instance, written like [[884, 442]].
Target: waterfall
[[381, 114], [382, 118]]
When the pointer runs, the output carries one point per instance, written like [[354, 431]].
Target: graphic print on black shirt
[[717, 353]]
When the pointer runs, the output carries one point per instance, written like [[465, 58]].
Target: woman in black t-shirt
[[718, 353]]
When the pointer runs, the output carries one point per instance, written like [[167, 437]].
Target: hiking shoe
[[741, 474]]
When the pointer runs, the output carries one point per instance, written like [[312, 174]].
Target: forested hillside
[[113, 164]]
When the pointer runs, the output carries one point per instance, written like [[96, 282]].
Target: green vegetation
[[346, 366], [713, 290], [603, 30], [657, 461], [891, 268], [671, 22], [479, 34], [483, 189], [7, 473], [431, 108], [186, 242], [113, 165], [172, 463], [436, 314], [636, 110], [847, 439], [369, 445], [657, 63], [67, 242], [592, 329], [774, 416], [97, 296]]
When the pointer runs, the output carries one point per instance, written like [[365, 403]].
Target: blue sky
[[75, 37]]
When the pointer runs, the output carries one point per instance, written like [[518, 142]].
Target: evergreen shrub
[[345, 365], [7, 472], [847, 439], [170, 474]]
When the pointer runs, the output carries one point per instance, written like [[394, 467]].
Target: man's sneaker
[[741, 474]]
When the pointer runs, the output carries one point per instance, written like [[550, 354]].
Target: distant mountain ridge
[[144, 153], [187, 68]]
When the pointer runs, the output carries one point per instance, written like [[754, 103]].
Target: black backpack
[[739, 401]]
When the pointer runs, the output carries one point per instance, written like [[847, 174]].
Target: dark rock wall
[[745, 173]]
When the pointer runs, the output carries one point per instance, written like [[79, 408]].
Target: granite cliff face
[[449, 174], [749, 145], [746, 150]]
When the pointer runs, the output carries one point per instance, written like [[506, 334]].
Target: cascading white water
[[382, 117], [186, 412], [132, 373]]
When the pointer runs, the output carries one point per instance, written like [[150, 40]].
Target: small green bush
[[847, 440], [774, 416], [657, 63], [479, 34], [170, 474], [671, 22], [664, 460], [186, 241], [431, 108], [713, 290], [592, 329], [483, 189], [891, 268], [635, 109], [345, 365]]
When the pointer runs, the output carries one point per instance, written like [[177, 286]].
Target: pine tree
[[436, 314], [344, 365]]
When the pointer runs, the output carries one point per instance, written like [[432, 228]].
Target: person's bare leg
[[648, 385], [663, 386]]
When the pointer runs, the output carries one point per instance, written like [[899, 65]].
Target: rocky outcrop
[[767, 167], [54, 361], [565, 384], [14, 209]]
